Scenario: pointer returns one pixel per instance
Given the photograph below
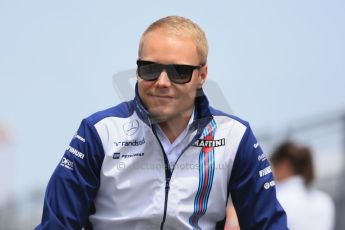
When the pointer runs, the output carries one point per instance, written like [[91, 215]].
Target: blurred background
[[278, 64]]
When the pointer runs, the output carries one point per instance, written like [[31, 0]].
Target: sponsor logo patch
[[209, 143], [262, 157], [66, 163], [130, 143], [132, 155], [76, 152], [270, 184], [131, 127], [119, 155], [79, 137], [116, 155], [265, 171]]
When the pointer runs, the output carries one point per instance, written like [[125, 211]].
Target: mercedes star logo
[[131, 127]]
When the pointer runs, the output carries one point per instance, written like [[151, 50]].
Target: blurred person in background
[[306, 207]]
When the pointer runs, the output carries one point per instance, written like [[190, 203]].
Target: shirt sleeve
[[73, 186], [252, 188]]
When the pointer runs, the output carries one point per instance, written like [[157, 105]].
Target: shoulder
[[226, 119], [322, 198], [219, 113], [122, 110]]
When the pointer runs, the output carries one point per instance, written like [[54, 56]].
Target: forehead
[[166, 48]]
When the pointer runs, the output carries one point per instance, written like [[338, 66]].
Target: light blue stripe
[[211, 175]]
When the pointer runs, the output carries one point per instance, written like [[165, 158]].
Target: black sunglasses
[[179, 74]]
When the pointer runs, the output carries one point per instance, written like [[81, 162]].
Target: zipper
[[167, 188], [168, 173], [167, 178]]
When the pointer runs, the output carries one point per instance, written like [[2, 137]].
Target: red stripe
[[208, 138]]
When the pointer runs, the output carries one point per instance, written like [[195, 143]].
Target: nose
[[163, 79]]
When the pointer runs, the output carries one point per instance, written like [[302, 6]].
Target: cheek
[[188, 90], [143, 87], [187, 95], [143, 84]]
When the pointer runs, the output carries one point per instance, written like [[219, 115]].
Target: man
[[165, 160]]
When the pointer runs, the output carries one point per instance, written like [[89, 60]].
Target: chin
[[161, 115]]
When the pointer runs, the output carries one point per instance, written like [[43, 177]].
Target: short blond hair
[[181, 27]]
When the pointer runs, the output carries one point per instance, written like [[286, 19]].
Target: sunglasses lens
[[180, 74], [149, 71]]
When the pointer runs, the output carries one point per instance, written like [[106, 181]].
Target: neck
[[173, 127]]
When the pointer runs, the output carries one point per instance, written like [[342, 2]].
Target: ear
[[202, 76]]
